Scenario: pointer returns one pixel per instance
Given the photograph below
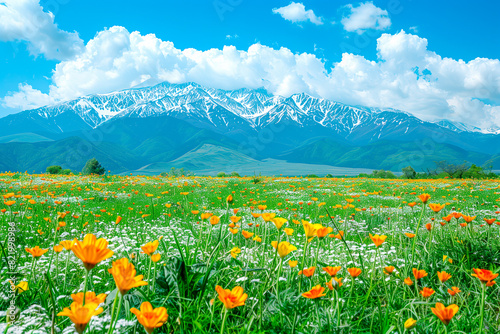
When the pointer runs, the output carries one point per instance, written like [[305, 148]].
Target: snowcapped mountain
[[221, 109], [147, 125]]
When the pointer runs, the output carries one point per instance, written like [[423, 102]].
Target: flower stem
[[85, 285], [483, 292], [223, 321], [416, 235], [113, 321]]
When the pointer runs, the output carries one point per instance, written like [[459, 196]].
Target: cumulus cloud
[[296, 12], [406, 75], [365, 16], [25, 20]]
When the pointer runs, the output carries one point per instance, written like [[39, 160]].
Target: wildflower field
[[131, 254]]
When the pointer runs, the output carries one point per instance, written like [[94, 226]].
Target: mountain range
[[148, 129]]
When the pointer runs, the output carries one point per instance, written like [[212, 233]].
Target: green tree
[[93, 167], [409, 172], [54, 170]]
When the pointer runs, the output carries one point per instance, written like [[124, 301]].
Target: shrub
[[54, 170], [93, 167]]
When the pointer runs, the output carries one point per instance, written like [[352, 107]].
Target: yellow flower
[[284, 248], [292, 264], [410, 323], [150, 247], [91, 251], [156, 257], [90, 297], [58, 248], [279, 222], [150, 318], [124, 274], [22, 286], [310, 229], [235, 251], [67, 244], [231, 298], [81, 315], [288, 231]]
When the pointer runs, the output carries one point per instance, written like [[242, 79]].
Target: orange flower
[[456, 215], [315, 292], [246, 234], [469, 219], [418, 274], [489, 221], [58, 248], [427, 292], [408, 281], [90, 297], [484, 275], [81, 315], [410, 235], [235, 219], [436, 207], [91, 251], [453, 291], [36, 251], [214, 220], [150, 247], [332, 271], [337, 236], [388, 270], [354, 272], [424, 197], [230, 199], [443, 276], [150, 318], [412, 204], [331, 285], [233, 230], [445, 314], [448, 218], [378, 239], [118, 220], [231, 298], [324, 231], [428, 226], [124, 274], [307, 272], [156, 257]]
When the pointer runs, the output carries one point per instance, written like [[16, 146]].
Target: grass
[[196, 255]]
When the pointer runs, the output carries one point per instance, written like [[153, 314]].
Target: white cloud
[[27, 98], [406, 75], [296, 12], [366, 16], [25, 20]]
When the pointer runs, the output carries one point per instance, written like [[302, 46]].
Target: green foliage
[[379, 174], [409, 172], [93, 167], [235, 174], [221, 174], [54, 170]]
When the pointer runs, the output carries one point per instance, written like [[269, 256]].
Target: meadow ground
[[244, 255]]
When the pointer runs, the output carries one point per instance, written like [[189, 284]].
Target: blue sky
[[325, 30]]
